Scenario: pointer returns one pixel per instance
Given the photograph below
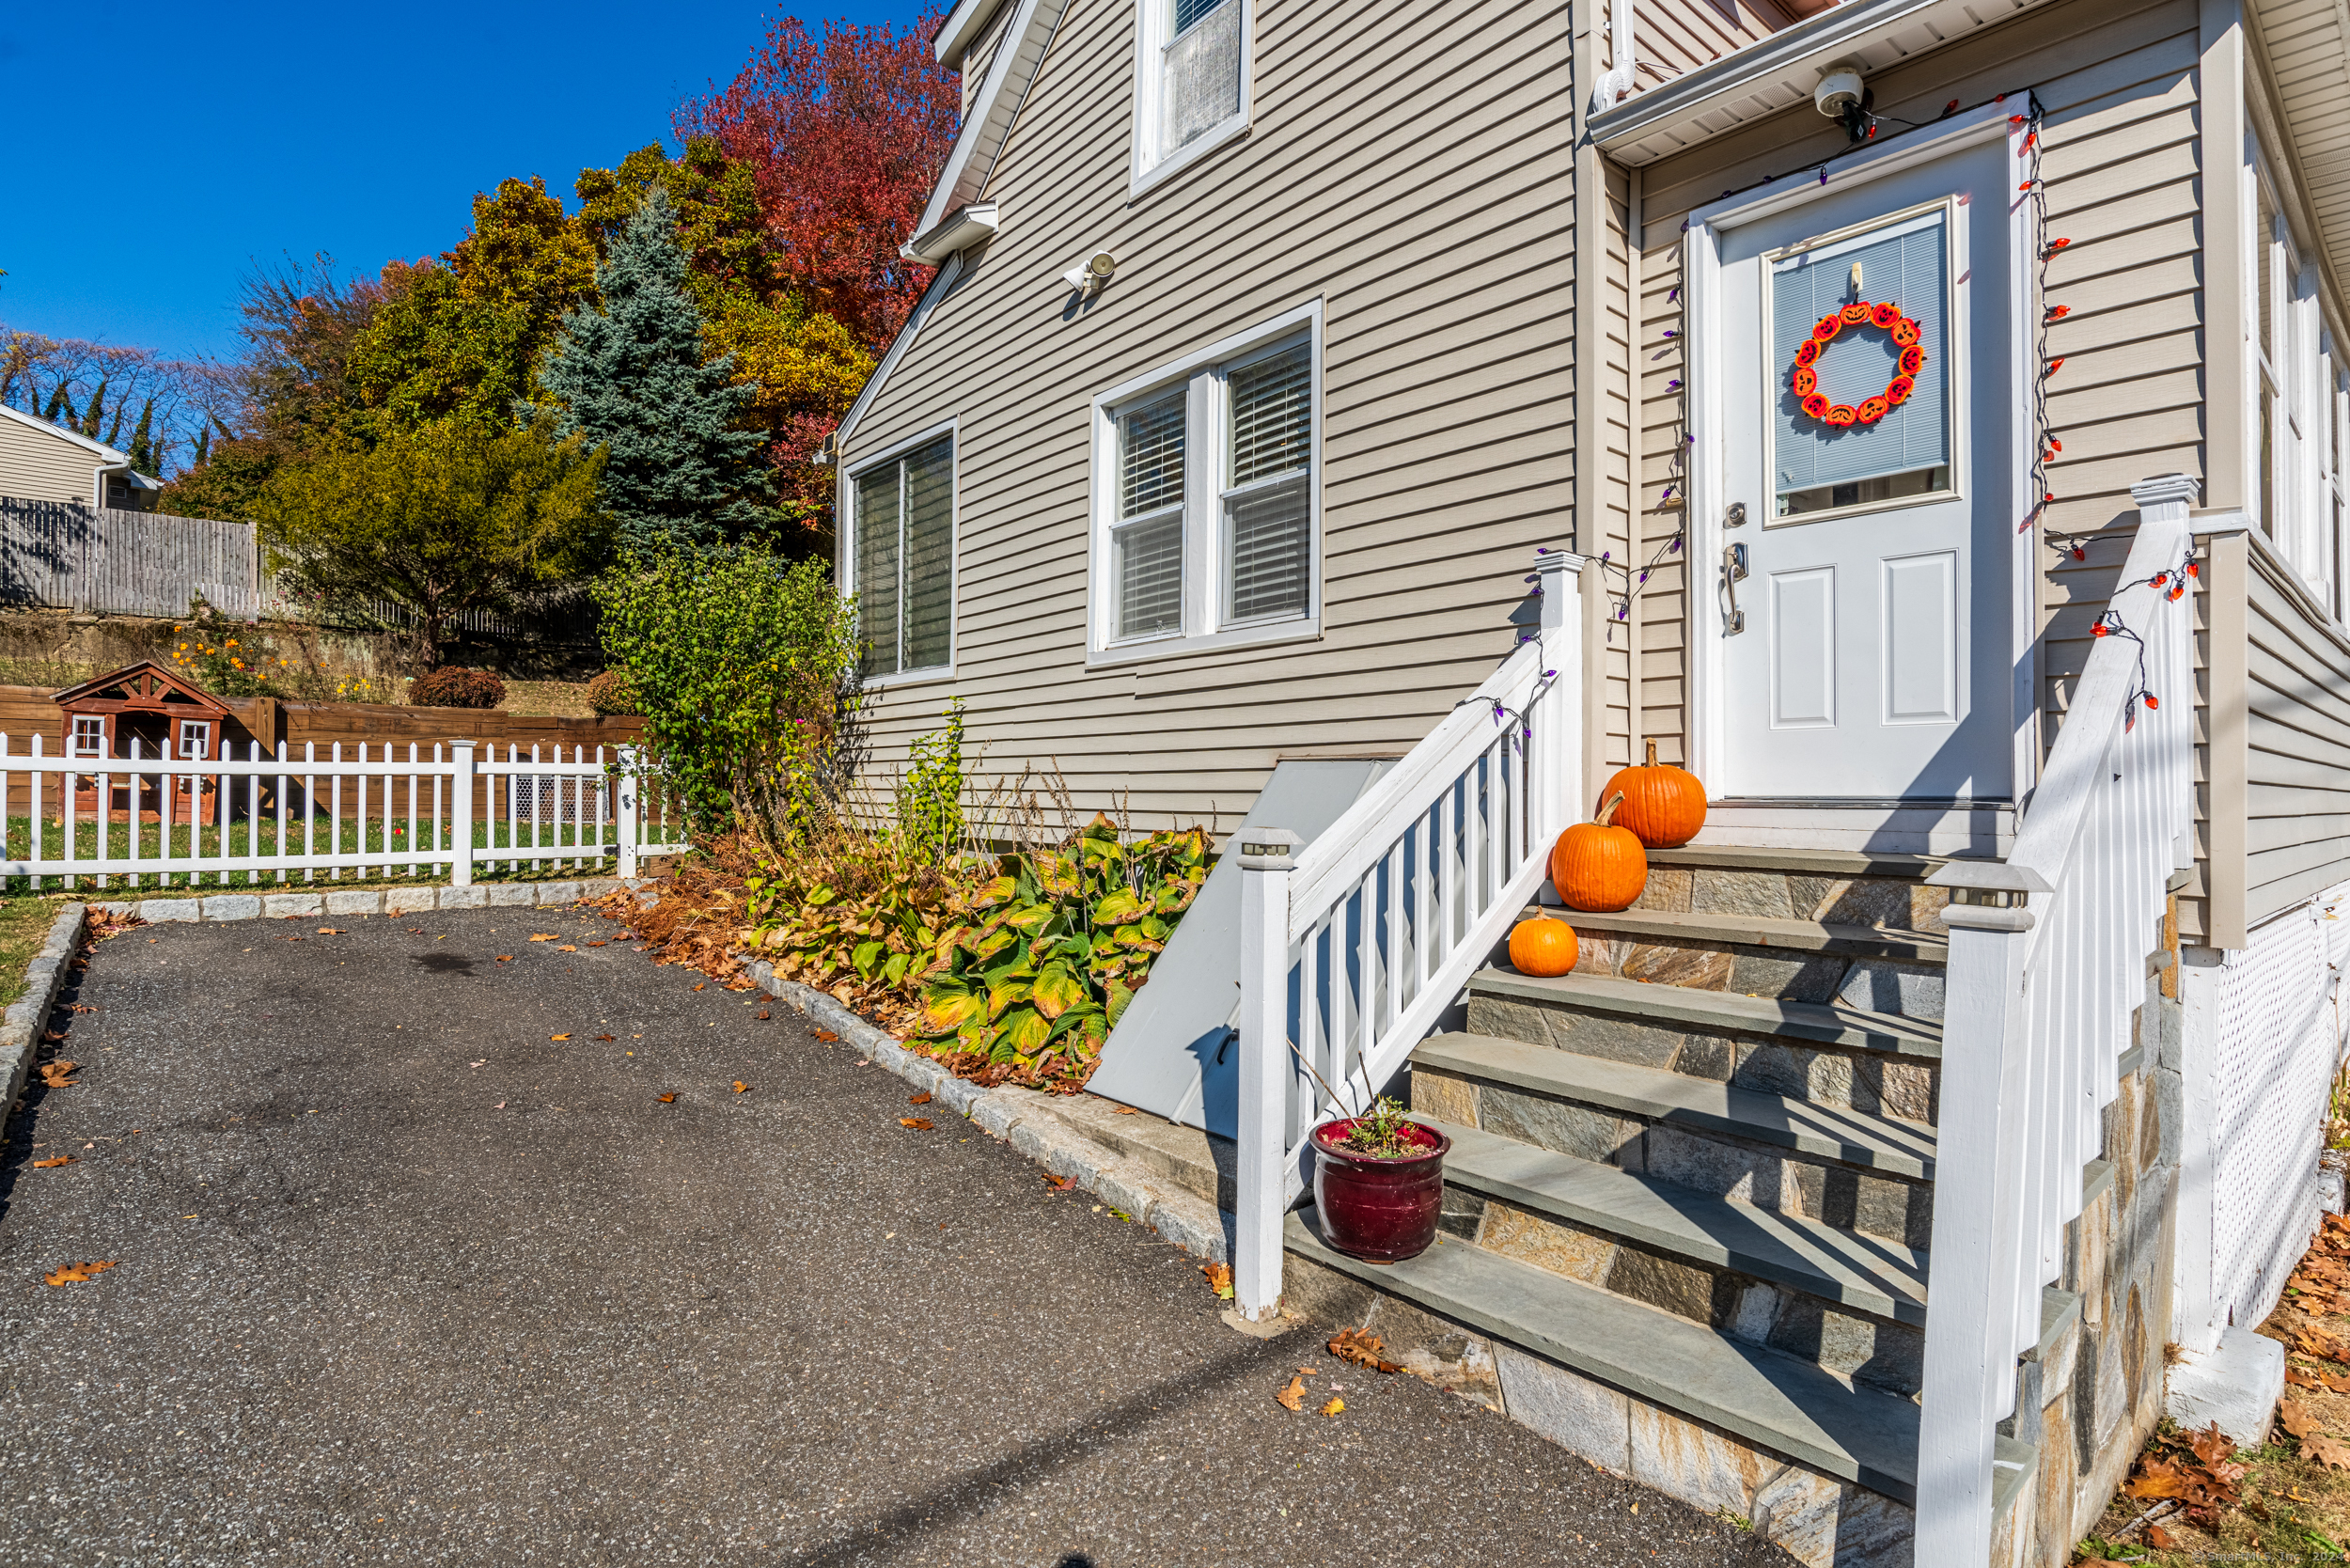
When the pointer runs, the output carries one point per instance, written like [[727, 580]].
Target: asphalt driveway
[[413, 1264]]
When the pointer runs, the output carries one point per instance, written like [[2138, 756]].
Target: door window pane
[[1816, 464]]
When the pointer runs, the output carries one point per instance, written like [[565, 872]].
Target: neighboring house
[[1268, 346], [41, 461]]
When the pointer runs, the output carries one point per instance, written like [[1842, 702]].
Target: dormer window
[[1193, 81]]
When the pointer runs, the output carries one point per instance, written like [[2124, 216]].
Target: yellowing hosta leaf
[[989, 894], [1025, 1030], [1058, 988], [1118, 908], [1007, 993]]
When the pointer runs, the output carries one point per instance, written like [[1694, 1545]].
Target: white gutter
[[1618, 79], [964, 225]]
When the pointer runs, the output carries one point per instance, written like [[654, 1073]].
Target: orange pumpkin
[[1597, 866], [1662, 805], [1542, 947]]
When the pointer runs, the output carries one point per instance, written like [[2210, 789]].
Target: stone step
[[1883, 970], [1676, 1099], [1839, 864], [1805, 1255], [1835, 887], [1825, 1052], [1787, 1406]]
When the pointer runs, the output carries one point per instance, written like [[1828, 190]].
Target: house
[[1922, 421], [42, 461]]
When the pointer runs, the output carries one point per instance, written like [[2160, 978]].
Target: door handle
[[1733, 568]]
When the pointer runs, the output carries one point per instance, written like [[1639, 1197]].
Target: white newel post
[[1978, 1240], [1260, 1185], [461, 814], [1558, 722], [627, 784]]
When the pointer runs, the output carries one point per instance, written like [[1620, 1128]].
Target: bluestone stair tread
[[1787, 1405], [1813, 1022], [1804, 862], [1680, 1100], [1765, 931], [1807, 1255]]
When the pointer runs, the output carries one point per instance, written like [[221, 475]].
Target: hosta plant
[[1037, 958]]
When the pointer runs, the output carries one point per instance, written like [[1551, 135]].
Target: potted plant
[[1379, 1182]]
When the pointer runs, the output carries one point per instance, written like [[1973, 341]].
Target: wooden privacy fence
[[67, 556], [444, 810]]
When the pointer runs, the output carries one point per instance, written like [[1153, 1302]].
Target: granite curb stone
[[395, 901], [44, 976], [1024, 1120]]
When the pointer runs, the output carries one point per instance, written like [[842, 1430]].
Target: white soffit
[[993, 110], [960, 27], [2307, 43], [1776, 73]]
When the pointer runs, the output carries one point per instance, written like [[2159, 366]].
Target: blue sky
[[157, 150]]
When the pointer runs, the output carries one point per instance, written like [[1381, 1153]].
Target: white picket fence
[[1354, 948], [443, 811], [2046, 966]]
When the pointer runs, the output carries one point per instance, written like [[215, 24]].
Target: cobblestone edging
[[377, 900], [1025, 1121], [21, 1026]]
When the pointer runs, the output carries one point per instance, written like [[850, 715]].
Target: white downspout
[[1617, 80]]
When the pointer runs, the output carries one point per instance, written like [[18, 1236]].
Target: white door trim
[[1707, 486]]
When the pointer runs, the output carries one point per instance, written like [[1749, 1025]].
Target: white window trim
[[846, 510], [2296, 371], [1202, 492], [1149, 168]]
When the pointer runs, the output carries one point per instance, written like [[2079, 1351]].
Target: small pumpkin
[[1542, 947], [1664, 805], [1597, 866]]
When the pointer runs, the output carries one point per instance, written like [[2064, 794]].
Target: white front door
[[1868, 655]]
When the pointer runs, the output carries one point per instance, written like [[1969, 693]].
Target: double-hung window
[[902, 559], [1191, 79], [1208, 499], [2293, 377]]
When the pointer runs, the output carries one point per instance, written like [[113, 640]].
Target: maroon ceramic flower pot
[[1380, 1208]]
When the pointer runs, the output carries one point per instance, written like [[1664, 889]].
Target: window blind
[[1267, 543], [929, 556], [1150, 569], [1151, 457], [1272, 415], [877, 553]]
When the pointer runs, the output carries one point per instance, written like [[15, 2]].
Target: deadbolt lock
[[1737, 516]]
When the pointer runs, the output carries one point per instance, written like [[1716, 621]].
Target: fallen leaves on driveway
[[826, 1036], [1293, 1397], [921, 1099], [599, 944], [52, 1163], [1219, 1280], [1363, 1349], [1334, 1407], [505, 957], [741, 1088], [1059, 1183], [763, 1013], [699, 984], [58, 1074], [545, 936], [558, 1037], [75, 1274], [919, 1123], [603, 1037], [668, 1099], [332, 930], [566, 947]]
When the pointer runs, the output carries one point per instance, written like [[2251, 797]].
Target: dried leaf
[[1334, 1407], [699, 984], [763, 1013], [826, 1036], [566, 947], [599, 944], [667, 1098], [1125, 1110], [332, 930], [919, 1123], [58, 1074], [544, 936], [1060, 1184], [2314, 1341], [52, 1163], [2329, 1451], [2337, 1384], [505, 957], [2160, 1539], [2160, 1477], [2301, 1378], [2297, 1418], [603, 1037], [52, 1036], [741, 1088], [921, 1099], [558, 1037], [1353, 1344], [1293, 1397], [75, 1274], [1219, 1279]]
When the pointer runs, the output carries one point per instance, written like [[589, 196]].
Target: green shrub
[[455, 686], [930, 797], [613, 694]]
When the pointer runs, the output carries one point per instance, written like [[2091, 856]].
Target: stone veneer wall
[[2090, 1397]]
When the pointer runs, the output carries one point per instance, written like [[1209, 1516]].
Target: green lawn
[[25, 924]]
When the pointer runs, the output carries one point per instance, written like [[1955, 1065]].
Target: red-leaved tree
[[846, 130]]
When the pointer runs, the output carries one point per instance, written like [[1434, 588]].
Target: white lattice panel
[[2279, 1039]]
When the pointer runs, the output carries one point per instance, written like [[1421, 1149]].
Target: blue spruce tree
[[633, 379]]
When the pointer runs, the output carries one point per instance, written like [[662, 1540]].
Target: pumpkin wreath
[[1888, 318]]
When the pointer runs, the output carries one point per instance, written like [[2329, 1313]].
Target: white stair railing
[[2047, 965], [1352, 952]]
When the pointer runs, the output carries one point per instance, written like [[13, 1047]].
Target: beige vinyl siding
[[1445, 278], [39, 465], [1672, 38], [981, 53], [2297, 734], [2118, 80]]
